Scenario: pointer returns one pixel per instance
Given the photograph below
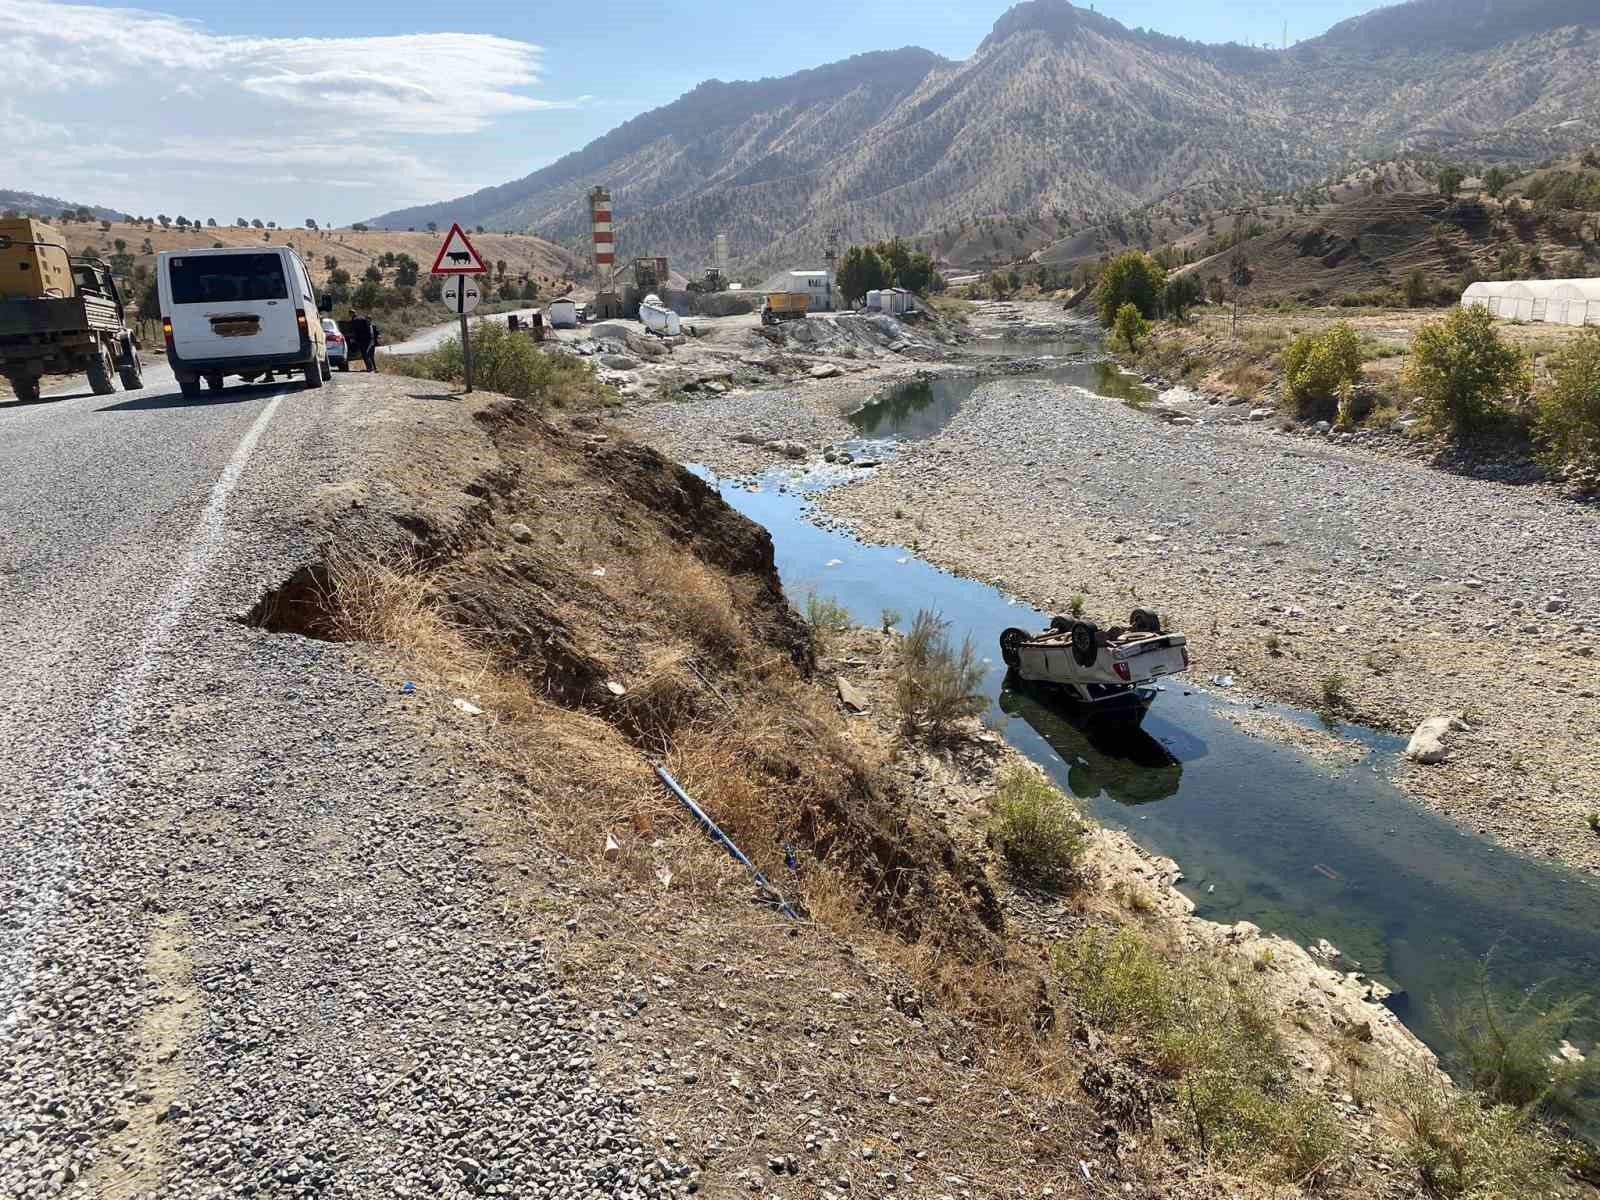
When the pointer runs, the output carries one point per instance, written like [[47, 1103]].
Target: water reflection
[[1114, 760]]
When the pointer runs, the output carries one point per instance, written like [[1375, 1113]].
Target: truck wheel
[[131, 370], [1145, 620], [313, 374], [189, 385], [1011, 647], [26, 387], [214, 381], [100, 381]]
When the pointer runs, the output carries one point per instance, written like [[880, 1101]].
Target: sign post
[[459, 263]]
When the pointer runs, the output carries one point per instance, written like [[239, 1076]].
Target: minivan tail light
[[166, 331], [300, 315]]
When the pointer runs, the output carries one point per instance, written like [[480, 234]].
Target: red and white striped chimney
[[605, 238]]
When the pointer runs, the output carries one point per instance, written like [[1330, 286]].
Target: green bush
[[1132, 278], [514, 365], [1039, 831], [1128, 328], [1316, 366], [938, 684], [1462, 1149], [827, 619], [1569, 410], [1466, 379], [1509, 1050], [1238, 1100]]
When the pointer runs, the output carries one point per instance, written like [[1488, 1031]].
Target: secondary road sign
[[457, 257], [460, 295]]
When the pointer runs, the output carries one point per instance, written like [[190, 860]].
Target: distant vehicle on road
[[60, 315], [338, 348], [784, 306], [239, 312], [563, 313]]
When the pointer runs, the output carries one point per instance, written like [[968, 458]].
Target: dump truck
[[60, 315], [784, 306]]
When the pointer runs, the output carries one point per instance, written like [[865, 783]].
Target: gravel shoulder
[[250, 942]]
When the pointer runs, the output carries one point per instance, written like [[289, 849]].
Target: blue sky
[[343, 111]]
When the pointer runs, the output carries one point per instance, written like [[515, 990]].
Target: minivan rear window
[[227, 278]]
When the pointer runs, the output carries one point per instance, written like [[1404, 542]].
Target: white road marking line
[[112, 720]]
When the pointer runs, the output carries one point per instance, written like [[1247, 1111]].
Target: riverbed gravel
[[1385, 592]]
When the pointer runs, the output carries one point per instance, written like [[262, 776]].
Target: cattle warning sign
[[457, 257]]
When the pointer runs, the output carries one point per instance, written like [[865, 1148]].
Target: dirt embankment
[[570, 607]]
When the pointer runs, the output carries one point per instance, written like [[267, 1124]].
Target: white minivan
[[239, 311]]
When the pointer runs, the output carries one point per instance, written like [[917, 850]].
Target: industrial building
[[1546, 301], [818, 285]]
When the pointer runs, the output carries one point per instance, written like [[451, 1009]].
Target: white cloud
[[133, 92]]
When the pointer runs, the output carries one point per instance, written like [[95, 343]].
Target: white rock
[[1427, 744]]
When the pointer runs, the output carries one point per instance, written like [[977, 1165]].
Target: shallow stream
[[1262, 831]]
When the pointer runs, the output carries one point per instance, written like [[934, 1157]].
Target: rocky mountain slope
[[1063, 115]]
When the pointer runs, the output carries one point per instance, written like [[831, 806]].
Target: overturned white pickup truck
[[1105, 670]]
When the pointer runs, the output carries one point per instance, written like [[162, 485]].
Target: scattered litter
[[407, 688], [598, 572], [1320, 869], [615, 688], [836, 562], [902, 561], [664, 874], [466, 706], [1224, 681], [725, 841], [613, 848], [1084, 1167]]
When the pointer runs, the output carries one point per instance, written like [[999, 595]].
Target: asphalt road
[[246, 943], [432, 339]]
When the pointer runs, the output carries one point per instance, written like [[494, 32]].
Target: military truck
[[60, 315]]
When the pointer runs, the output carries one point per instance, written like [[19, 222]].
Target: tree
[[508, 290], [1450, 179], [255, 223], [1182, 293], [433, 289], [1464, 376], [338, 285], [146, 248], [860, 271], [182, 222], [372, 274], [1569, 411], [1128, 327], [1241, 276], [1318, 367], [1495, 180], [530, 290], [329, 262], [406, 270], [366, 296], [1132, 278], [105, 226], [164, 220], [241, 223], [272, 224], [358, 227], [999, 285], [500, 269], [1415, 288], [433, 227]]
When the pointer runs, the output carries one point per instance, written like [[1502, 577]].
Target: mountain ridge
[[1062, 113]]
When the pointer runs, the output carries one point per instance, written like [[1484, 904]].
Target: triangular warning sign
[[457, 257]]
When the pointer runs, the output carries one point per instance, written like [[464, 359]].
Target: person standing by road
[[358, 335], [369, 352]]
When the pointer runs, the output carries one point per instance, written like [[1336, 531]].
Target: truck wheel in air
[[1145, 620], [1011, 647], [313, 374], [100, 381], [1083, 643]]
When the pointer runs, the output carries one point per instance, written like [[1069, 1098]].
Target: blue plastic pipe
[[727, 843]]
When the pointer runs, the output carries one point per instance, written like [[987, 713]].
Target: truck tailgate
[[1153, 658], [27, 314]]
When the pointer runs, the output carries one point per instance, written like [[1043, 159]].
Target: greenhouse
[[1547, 301]]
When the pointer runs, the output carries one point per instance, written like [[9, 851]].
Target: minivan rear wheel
[[189, 385], [314, 374], [214, 381]]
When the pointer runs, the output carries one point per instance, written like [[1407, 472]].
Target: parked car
[[239, 312], [338, 348]]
